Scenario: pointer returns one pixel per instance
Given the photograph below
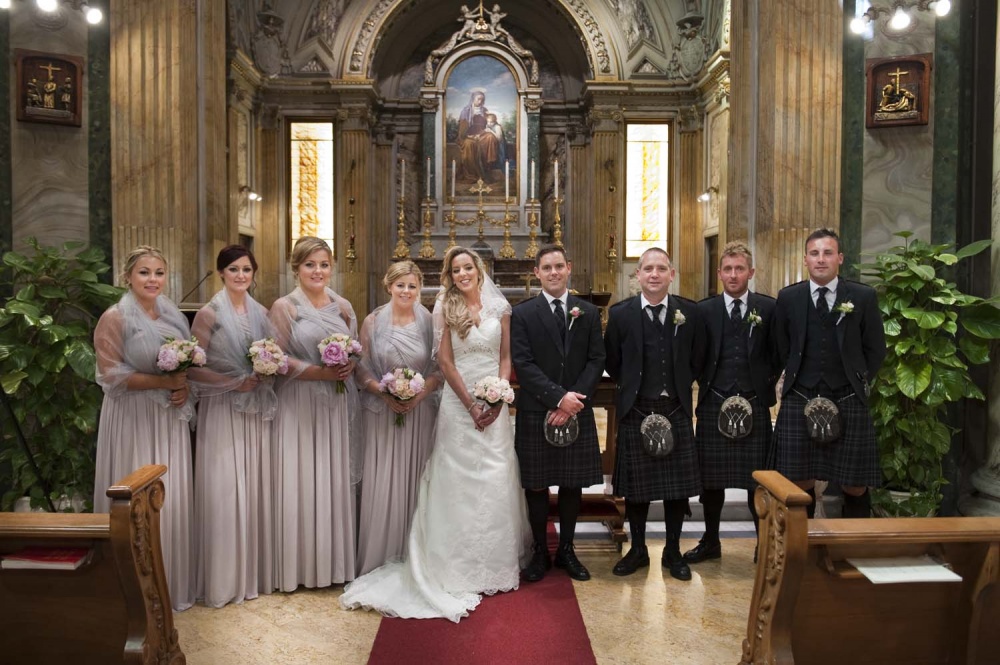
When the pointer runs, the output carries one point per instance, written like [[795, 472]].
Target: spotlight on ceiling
[[93, 14], [900, 20]]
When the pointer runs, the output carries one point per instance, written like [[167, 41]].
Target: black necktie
[[560, 316], [822, 306], [656, 309], [736, 316]]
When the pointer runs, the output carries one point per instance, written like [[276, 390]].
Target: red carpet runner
[[538, 623]]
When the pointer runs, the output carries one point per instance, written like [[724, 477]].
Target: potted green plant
[[47, 370], [934, 332]]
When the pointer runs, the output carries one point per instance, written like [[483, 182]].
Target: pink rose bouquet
[[267, 357], [493, 390], [339, 349], [178, 354], [403, 384]]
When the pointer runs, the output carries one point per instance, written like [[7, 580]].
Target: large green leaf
[[914, 377], [923, 271], [947, 259], [982, 321], [26, 309], [81, 358], [974, 350], [923, 318], [11, 380], [973, 248]]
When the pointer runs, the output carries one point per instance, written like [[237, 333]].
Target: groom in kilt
[[739, 364], [655, 348], [831, 342], [558, 357]]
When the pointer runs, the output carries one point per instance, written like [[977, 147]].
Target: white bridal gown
[[469, 532]]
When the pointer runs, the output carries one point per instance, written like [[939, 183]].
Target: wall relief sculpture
[[691, 52], [633, 17], [270, 51], [325, 19]]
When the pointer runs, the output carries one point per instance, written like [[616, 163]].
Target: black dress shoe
[[637, 557], [566, 558], [675, 563], [539, 563], [703, 552]]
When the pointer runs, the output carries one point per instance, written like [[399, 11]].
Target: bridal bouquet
[[178, 354], [267, 357], [493, 390], [339, 349], [403, 384]]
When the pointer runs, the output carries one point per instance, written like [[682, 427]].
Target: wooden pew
[[113, 609], [810, 607]]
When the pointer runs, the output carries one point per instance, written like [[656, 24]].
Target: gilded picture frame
[[898, 91], [49, 88]]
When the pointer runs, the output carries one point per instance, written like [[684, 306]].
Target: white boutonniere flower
[[844, 308], [679, 320], [574, 314], [754, 318]]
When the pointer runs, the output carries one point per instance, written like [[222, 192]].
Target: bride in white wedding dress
[[469, 534]]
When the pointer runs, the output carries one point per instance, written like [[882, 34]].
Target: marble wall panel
[[898, 161], [49, 163], [994, 411]]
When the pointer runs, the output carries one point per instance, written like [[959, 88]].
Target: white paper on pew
[[904, 569]]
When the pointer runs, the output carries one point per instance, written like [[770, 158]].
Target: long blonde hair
[[456, 312]]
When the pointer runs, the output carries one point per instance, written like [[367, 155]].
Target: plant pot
[[898, 497], [76, 505]]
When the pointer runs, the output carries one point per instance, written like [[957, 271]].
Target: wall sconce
[[609, 166], [250, 194], [93, 14], [900, 14], [706, 196]]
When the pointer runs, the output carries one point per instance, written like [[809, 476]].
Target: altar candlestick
[[506, 179], [428, 177], [453, 169], [532, 179], [557, 178], [402, 179]]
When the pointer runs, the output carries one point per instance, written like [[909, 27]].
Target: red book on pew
[[46, 558]]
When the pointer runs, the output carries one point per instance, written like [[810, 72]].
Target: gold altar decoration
[[352, 255], [898, 91], [532, 250], [557, 224], [427, 249], [612, 254], [402, 250], [507, 250]]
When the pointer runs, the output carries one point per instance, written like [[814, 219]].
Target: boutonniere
[[574, 314], [679, 320], [844, 309], [754, 319]]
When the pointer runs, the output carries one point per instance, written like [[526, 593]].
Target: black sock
[[811, 508], [538, 516], [857, 506], [753, 513], [637, 512], [569, 508], [673, 515], [712, 500]]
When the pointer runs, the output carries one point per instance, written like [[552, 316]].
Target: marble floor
[[646, 618]]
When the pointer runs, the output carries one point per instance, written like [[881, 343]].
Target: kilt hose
[[850, 460], [544, 465], [726, 462], [639, 476]]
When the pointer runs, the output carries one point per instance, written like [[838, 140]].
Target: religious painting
[[49, 88], [898, 91], [481, 110]]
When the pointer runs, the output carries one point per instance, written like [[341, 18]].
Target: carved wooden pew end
[[115, 608]]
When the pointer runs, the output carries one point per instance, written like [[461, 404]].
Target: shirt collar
[[564, 297], [831, 287], [729, 299], [645, 303]]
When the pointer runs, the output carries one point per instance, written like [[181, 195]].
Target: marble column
[[270, 242], [168, 100], [607, 197], [784, 176], [354, 154], [690, 259]]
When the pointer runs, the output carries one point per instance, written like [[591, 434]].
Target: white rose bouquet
[[267, 357], [493, 390]]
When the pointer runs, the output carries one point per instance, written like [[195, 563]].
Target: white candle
[[402, 179], [453, 178], [557, 179], [428, 177], [532, 178], [506, 179]]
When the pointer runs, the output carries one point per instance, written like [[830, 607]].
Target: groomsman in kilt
[[830, 341], [740, 364], [655, 346], [558, 357]]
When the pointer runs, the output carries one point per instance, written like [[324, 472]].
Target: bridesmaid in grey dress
[[146, 413], [316, 458], [397, 335], [233, 465]]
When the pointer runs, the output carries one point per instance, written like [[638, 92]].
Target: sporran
[[563, 435], [736, 417], [657, 435], [822, 420]]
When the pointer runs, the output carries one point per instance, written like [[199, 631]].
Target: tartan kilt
[[728, 462], [642, 477], [544, 465], [851, 460]]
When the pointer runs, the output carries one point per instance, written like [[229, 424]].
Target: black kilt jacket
[[548, 367], [727, 462]]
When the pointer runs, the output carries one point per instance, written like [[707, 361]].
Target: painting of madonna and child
[[481, 111]]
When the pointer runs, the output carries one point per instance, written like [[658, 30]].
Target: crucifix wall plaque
[[898, 91], [49, 87]]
